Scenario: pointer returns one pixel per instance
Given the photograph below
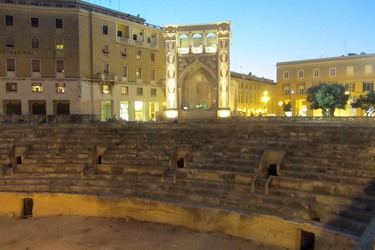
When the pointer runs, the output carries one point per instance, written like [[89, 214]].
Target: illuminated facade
[[252, 95], [198, 70], [355, 72], [71, 57]]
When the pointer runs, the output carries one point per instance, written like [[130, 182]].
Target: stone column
[[171, 109], [224, 70]]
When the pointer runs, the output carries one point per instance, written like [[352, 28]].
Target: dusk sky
[[265, 32]]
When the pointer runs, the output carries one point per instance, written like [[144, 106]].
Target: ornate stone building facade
[[198, 71]]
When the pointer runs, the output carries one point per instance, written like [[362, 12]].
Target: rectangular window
[[35, 43], [332, 72], [124, 70], [301, 89], [153, 92], [34, 22], [350, 87], [60, 88], [11, 87], [8, 20], [316, 73], [139, 54], [59, 24], [349, 70], [301, 74], [152, 57], [139, 74], [59, 44], [368, 86], [11, 64], [139, 91], [106, 49], [124, 90], [9, 42], [35, 66], [106, 68], [153, 75], [60, 67], [106, 89], [286, 74], [286, 90], [124, 52], [105, 29], [368, 69], [36, 87]]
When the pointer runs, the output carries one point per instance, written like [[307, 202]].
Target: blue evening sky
[[265, 32]]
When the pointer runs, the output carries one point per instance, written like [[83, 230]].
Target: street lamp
[[281, 104], [291, 92], [265, 99]]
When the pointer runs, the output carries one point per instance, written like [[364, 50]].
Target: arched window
[[197, 40], [211, 39], [184, 41]]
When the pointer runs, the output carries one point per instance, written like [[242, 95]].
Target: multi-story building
[[251, 94], [65, 57], [71, 57], [355, 72]]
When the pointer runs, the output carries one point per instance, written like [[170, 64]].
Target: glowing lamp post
[[280, 105], [291, 105], [265, 99]]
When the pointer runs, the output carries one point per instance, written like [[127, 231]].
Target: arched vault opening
[[198, 89]]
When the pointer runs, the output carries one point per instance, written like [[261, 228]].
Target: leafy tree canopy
[[327, 97], [366, 103]]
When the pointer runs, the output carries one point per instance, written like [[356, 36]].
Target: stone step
[[361, 204], [139, 155], [331, 163], [135, 162], [347, 225], [121, 169], [60, 161], [210, 186], [24, 188], [250, 168], [359, 215], [49, 168], [326, 177], [57, 155], [325, 188], [223, 176], [250, 202]]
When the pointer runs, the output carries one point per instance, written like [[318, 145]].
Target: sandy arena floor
[[65, 232]]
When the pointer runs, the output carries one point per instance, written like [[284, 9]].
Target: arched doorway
[[198, 90]]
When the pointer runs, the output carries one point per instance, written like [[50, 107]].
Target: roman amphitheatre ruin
[[290, 184]]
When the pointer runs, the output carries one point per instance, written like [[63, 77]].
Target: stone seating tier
[[327, 174]]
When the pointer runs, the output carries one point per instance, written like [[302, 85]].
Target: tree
[[367, 103], [327, 97], [288, 107]]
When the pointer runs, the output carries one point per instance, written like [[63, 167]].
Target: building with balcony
[[355, 72], [71, 57]]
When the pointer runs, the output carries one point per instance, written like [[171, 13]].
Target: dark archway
[[198, 89]]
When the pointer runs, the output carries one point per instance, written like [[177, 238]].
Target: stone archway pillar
[[171, 109], [224, 70]]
